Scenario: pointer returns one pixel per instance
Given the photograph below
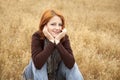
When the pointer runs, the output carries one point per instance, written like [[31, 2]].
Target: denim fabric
[[63, 73]]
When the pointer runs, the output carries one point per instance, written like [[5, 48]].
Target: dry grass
[[93, 27]]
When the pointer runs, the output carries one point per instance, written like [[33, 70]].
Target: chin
[[54, 36]]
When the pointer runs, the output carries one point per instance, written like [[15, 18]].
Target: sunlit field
[[93, 27]]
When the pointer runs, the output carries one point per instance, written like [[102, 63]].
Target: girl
[[52, 56]]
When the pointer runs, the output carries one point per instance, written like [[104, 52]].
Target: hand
[[48, 35], [60, 36]]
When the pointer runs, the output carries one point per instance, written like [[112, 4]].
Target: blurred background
[[93, 27]]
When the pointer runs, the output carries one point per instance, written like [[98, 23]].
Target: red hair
[[47, 15]]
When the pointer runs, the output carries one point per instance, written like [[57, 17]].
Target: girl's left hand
[[60, 36]]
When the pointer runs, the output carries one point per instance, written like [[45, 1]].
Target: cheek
[[61, 28], [49, 28]]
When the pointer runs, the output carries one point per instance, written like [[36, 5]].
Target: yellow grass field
[[93, 27]]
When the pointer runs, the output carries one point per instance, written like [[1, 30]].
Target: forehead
[[55, 19]]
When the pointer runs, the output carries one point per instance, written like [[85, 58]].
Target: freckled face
[[54, 26]]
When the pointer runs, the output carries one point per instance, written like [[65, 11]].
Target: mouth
[[56, 32]]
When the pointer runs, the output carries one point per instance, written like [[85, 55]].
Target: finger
[[44, 29], [64, 30]]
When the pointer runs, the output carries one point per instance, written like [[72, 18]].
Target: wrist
[[51, 41], [56, 41]]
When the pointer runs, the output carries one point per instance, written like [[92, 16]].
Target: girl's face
[[54, 26]]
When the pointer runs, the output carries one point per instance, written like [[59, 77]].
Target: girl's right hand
[[48, 35]]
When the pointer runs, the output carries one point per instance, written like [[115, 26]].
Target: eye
[[53, 24], [60, 24]]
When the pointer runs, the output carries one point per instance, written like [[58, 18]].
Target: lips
[[56, 32]]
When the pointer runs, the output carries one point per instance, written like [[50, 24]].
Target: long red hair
[[47, 15]]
